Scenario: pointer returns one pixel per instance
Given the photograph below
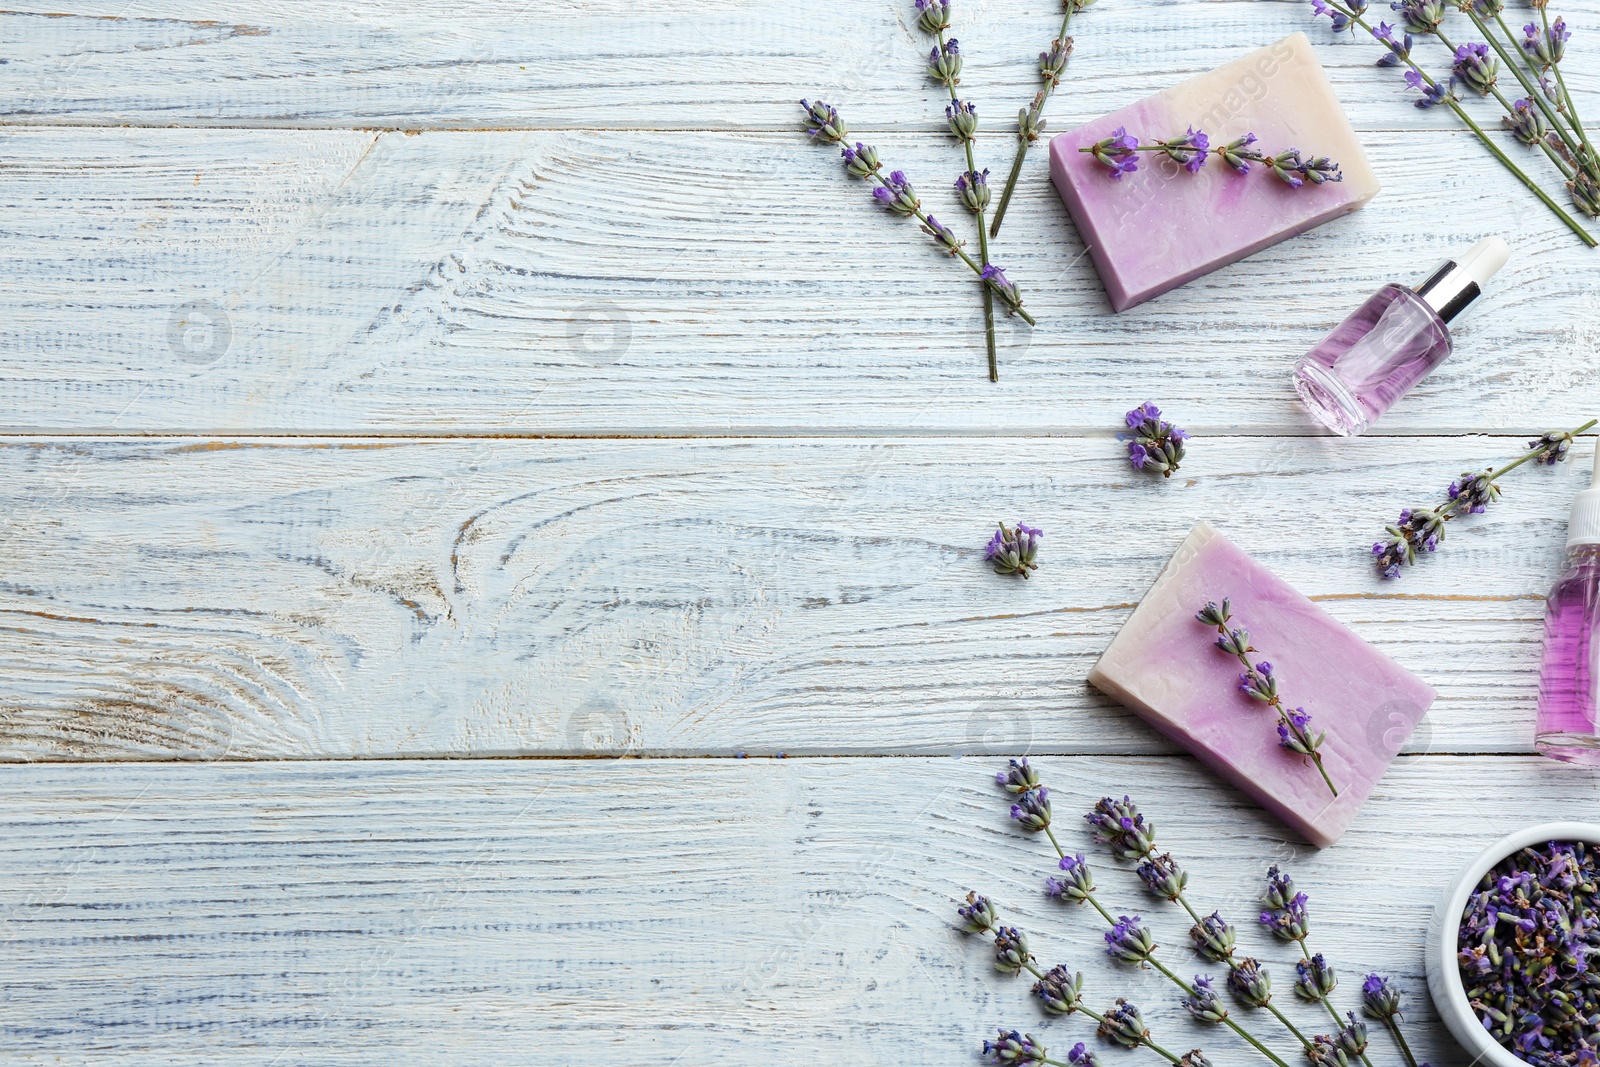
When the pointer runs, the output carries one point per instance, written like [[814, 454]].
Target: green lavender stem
[[989, 286], [1179, 982], [1560, 163], [1494, 149], [1452, 509], [1400, 1039], [983, 247], [1587, 153], [1023, 141]]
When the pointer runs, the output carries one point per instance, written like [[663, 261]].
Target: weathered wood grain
[[634, 283], [257, 599], [710, 64], [660, 912]]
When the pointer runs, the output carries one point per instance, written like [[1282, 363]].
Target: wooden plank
[[661, 912], [713, 64], [637, 283], [258, 599]]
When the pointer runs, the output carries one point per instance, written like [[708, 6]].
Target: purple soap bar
[[1159, 227], [1165, 665]]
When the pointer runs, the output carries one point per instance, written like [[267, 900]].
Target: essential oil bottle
[[1392, 341], [1568, 676]]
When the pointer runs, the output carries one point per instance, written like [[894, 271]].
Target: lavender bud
[[1235, 641], [1053, 62], [1032, 809], [1128, 941], [1294, 732], [1059, 990], [1399, 49], [1119, 824], [1019, 777], [1433, 93], [1213, 938], [1475, 68], [1080, 1056], [1009, 293], [1324, 1052], [1030, 120], [1319, 169], [1193, 1058], [1012, 1048], [823, 122], [1420, 16], [973, 188], [1474, 492], [1546, 48], [1284, 910], [977, 914], [1585, 194], [1077, 884], [1287, 167], [963, 119], [933, 15], [944, 63], [1188, 151], [1352, 1037], [1239, 155], [1157, 445], [897, 195], [1204, 1004], [861, 160], [1556, 446], [1119, 152], [1212, 615], [1124, 1025], [1163, 877], [1315, 978], [1012, 551], [1010, 950], [1250, 983], [943, 234], [1379, 999], [1525, 122], [1257, 681]]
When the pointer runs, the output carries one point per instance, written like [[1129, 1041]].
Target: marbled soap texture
[[1165, 665], [1159, 227]]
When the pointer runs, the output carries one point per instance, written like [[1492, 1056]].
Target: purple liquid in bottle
[[1566, 723]]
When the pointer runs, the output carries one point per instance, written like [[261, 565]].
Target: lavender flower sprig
[[1258, 682], [1012, 550], [1157, 445], [1381, 1000], [1030, 120], [1420, 530], [896, 194], [1424, 17], [1190, 150]]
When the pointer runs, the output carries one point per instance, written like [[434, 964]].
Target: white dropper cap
[[1484, 258], [1456, 282], [1583, 527]]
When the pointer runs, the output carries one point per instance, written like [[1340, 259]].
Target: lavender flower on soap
[[1259, 682], [1421, 530], [1012, 550], [1119, 153], [1156, 445]]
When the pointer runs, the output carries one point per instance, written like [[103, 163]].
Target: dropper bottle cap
[[1455, 283], [1583, 527]]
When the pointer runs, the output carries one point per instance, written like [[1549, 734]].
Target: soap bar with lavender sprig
[[1154, 228], [1165, 665]]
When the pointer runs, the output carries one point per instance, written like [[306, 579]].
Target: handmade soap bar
[[1159, 227], [1165, 665]]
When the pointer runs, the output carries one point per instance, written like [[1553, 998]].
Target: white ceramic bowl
[[1444, 976]]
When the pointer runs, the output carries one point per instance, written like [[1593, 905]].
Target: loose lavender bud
[[1012, 1048], [823, 122], [1118, 823], [1213, 938], [1156, 445], [1124, 1025], [1163, 877], [1204, 1004], [1379, 999], [973, 188], [1059, 990], [1054, 62], [1128, 941], [963, 119], [1019, 777], [933, 15], [1352, 1038], [898, 196], [1032, 809], [1077, 883], [1525, 122], [1119, 152], [1250, 983], [1399, 47], [977, 914], [1003, 287], [944, 63], [1420, 16], [1315, 978], [861, 160], [1010, 950], [1475, 68], [943, 234], [1012, 551], [1080, 1056], [1546, 48], [1188, 151]]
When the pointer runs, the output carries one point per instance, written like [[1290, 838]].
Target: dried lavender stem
[[1494, 149], [1572, 106], [988, 286], [983, 245], [1400, 1039], [1514, 64], [1185, 986], [1023, 143]]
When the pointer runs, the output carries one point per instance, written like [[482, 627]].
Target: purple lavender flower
[[1156, 445], [1010, 950], [1525, 122], [1054, 62], [1163, 877], [1032, 809], [1076, 885], [1003, 287], [1059, 990], [1399, 48], [972, 187], [1546, 48], [1129, 941], [1189, 150], [1019, 777], [1325, 1052], [1551, 448], [1287, 167], [962, 118], [944, 63], [1213, 938], [823, 122], [1119, 152], [1011, 1048], [1257, 681], [861, 160], [1204, 1004], [1352, 1037], [1315, 979], [1124, 1025], [1294, 733], [1118, 823], [943, 234], [977, 914], [1475, 68], [1012, 551], [1250, 983], [1239, 155], [897, 195], [1284, 910], [933, 15], [1080, 1056], [1337, 15], [1433, 92], [1320, 169], [1420, 16], [1379, 998], [1474, 493]]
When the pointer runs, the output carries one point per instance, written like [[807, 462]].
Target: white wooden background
[[569, 404]]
